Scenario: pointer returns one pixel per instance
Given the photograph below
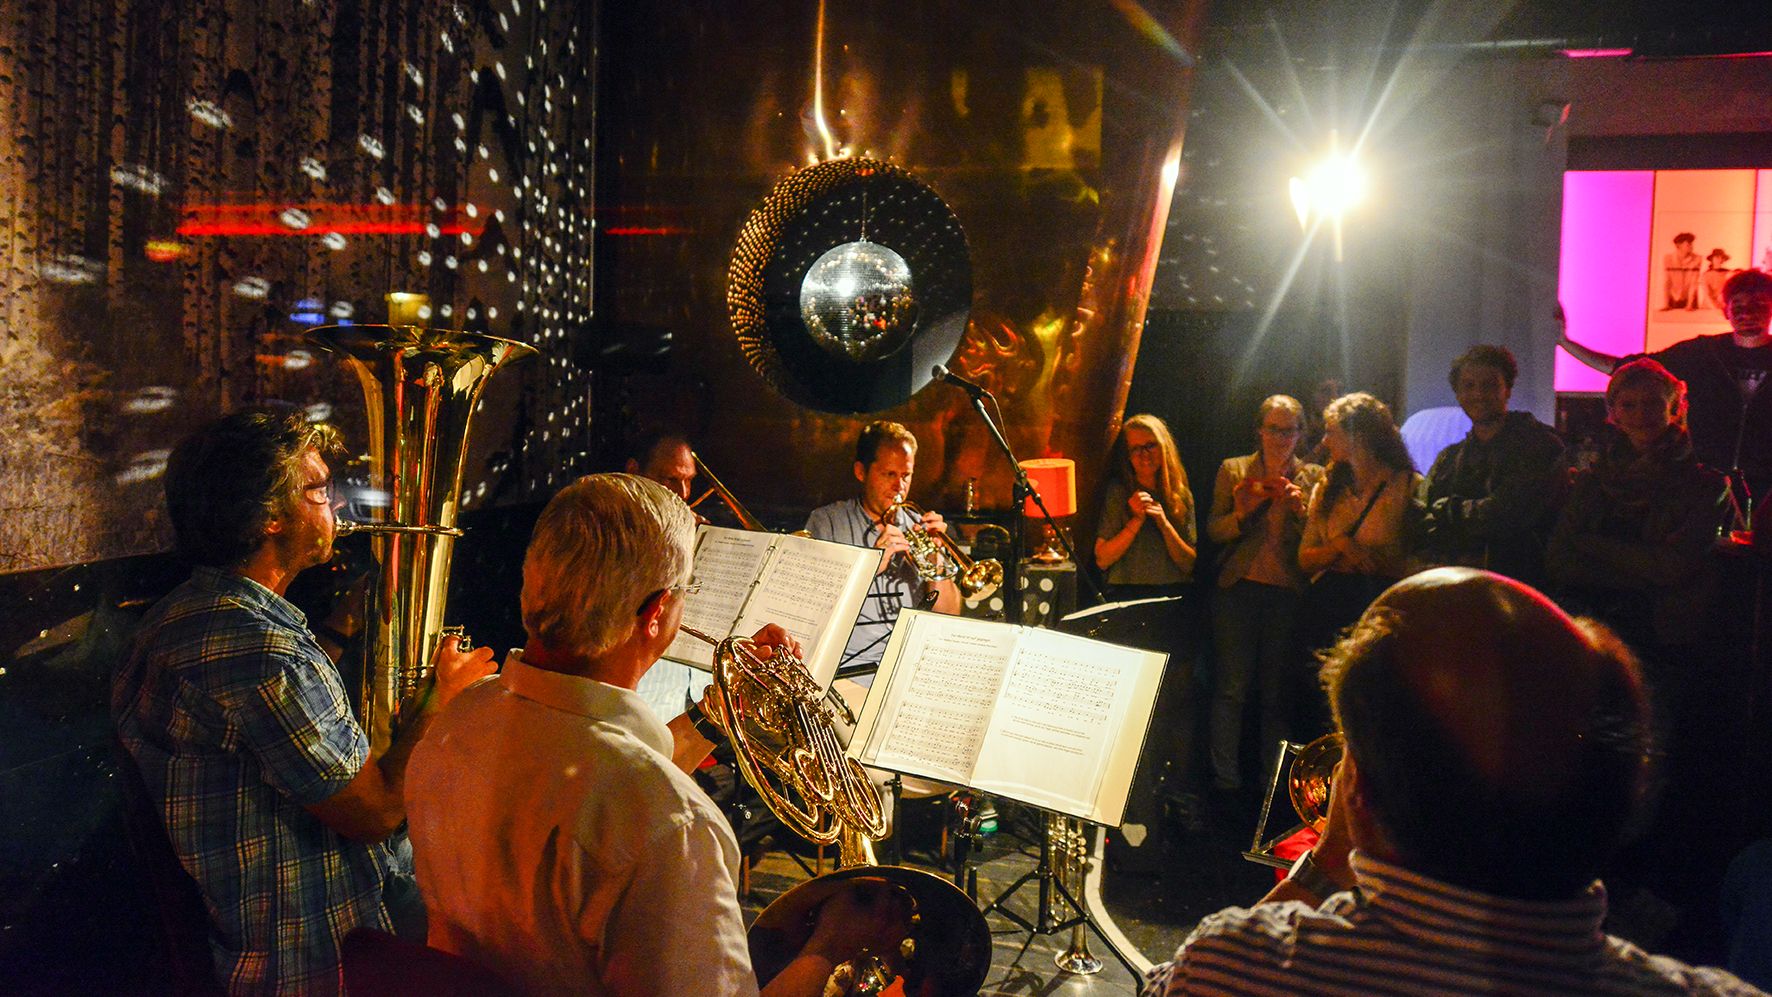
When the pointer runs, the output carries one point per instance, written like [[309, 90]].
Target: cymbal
[[848, 284]]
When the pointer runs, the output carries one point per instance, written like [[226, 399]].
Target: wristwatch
[[1313, 880], [704, 724]]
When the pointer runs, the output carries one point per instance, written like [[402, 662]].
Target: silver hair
[[600, 548]]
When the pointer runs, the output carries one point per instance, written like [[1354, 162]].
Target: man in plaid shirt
[[240, 726]]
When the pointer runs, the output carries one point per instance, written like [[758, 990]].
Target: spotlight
[[1328, 190]]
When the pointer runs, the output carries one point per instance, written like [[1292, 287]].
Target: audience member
[[1633, 539], [1492, 498], [1144, 544], [1258, 511], [1497, 754], [1357, 529]]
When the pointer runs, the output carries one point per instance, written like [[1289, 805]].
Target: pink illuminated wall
[[1603, 277], [1618, 278]]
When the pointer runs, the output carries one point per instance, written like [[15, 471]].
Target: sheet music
[[801, 590], [1036, 715], [939, 704], [1052, 728], [726, 564]]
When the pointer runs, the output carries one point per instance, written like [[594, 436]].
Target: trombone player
[[885, 462]]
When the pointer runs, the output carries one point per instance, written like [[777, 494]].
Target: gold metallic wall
[[1053, 129]]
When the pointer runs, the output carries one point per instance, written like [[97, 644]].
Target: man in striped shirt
[[1497, 752]]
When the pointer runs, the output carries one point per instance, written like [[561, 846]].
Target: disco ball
[[857, 301]]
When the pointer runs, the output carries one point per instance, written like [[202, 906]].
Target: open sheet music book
[[1046, 718], [812, 588]]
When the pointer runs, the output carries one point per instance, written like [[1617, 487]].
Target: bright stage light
[[1329, 189]]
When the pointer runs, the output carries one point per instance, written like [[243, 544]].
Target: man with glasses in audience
[[240, 727]]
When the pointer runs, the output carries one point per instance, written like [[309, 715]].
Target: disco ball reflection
[[857, 301]]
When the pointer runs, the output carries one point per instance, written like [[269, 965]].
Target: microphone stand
[[1023, 490]]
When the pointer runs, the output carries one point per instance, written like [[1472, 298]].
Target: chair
[[378, 964]]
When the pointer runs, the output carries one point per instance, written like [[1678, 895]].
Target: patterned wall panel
[[185, 187]]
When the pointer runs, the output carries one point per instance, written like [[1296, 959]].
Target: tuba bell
[[420, 387], [782, 727]]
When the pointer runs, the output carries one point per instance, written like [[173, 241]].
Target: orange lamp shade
[[1056, 480]]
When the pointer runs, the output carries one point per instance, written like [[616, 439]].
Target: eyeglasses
[[690, 587], [1281, 430], [320, 492], [1144, 449]]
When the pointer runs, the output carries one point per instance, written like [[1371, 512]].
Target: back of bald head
[[1501, 744]]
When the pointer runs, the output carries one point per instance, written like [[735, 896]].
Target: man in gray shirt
[[885, 461]]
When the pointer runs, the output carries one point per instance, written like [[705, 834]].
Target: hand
[[773, 636], [891, 542], [933, 522], [1293, 501], [1141, 504], [868, 914], [1248, 495], [1331, 851], [1355, 555], [453, 670]]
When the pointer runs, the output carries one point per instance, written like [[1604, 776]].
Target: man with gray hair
[[560, 841], [1497, 755]]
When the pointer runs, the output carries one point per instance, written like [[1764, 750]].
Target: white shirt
[[558, 846]]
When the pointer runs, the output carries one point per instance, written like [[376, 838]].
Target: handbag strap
[[1369, 504]]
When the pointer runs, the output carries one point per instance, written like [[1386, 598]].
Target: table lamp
[[1055, 478]]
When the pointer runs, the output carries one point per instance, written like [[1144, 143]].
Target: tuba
[[782, 728], [420, 387]]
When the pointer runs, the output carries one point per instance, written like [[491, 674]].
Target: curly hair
[[1367, 420], [1499, 357], [228, 480]]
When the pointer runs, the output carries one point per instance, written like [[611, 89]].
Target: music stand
[[930, 656]]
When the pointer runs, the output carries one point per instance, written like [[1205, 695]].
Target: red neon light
[[325, 219], [644, 230], [1596, 53]]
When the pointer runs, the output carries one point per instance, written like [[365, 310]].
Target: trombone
[[938, 558], [745, 519]]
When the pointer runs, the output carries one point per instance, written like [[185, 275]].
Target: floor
[[1152, 903]]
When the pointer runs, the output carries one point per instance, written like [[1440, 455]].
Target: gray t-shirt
[[892, 590], [1147, 561]]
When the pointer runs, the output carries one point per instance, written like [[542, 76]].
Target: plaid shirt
[[238, 721]]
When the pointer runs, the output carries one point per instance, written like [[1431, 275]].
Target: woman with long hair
[[1357, 529], [1144, 546], [1145, 542], [1258, 510]]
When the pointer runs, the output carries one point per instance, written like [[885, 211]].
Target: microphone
[[941, 373]]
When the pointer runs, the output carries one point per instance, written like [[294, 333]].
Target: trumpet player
[[885, 462]]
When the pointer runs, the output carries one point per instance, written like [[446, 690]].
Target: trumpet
[[938, 558]]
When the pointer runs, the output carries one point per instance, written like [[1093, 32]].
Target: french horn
[[782, 727]]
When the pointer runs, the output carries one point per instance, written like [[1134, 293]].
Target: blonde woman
[[1145, 543]]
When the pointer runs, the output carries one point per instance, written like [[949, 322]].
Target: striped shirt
[[895, 589], [1402, 933], [238, 720]]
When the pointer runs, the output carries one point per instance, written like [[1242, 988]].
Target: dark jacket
[[1716, 408], [1492, 504], [1633, 544]]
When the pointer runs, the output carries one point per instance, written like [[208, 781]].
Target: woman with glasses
[[1145, 549], [1145, 543], [1258, 512]]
